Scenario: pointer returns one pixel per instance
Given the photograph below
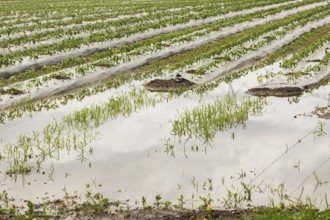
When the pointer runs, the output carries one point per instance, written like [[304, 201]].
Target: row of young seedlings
[[74, 133], [221, 47], [150, 47], [82, 25], [293, 61], [159, 65], [237, 51], [22, 11], [154, 44], [226, 6], [58, 11], [36, 83], [91, 15], [297, 65], [276, 58], [277, 30], [69, 43], [68, 28], [203, 122], [316, 68]]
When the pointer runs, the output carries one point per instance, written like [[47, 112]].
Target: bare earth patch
[[169, 85], [280, 91]]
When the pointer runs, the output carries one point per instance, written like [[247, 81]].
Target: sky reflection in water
[[129, 159]]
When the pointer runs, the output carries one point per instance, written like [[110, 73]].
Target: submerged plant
[[204, 121], [74, 132]]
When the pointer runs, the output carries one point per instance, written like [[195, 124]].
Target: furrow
[[232, 66], [13, 70]]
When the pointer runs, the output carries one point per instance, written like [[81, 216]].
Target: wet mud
[[278, 92], [170, 85]]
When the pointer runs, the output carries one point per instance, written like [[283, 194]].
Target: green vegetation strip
[[124, 31], [156, 43], [204, 121], [212, 49], [95, 206], [304, 41], [75, 131], [152, 69]]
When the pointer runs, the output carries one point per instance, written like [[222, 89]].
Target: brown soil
[[279, 92], [169, 85], [107, 65], [314, 61], [59, 77], [222, 58], [151, 214], [192, 71], [168, 214]]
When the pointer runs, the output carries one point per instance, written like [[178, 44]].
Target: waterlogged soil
[[168, 85], [321, 112], [152, 213], [129, 159], [279, 92]]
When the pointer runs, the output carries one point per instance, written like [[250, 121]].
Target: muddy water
[[128, 160]]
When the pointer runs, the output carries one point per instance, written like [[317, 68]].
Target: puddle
[[129, 161]]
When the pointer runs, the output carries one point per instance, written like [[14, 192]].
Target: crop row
[[116, 7], [282, 30], [135, 52], [203, 122], [90, 15], [116, 58], [313, 68], [52, 33], [45, 11], [180, 57], [297, 57], [73, 133], [216, 48], [8, 58], [101, 19]]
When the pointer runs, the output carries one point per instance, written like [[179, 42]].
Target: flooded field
[[214, 104]]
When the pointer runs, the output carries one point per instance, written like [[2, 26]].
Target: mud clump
[[60, 77], [278, 92], [169, 85], [314, 61], [192, 71]]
